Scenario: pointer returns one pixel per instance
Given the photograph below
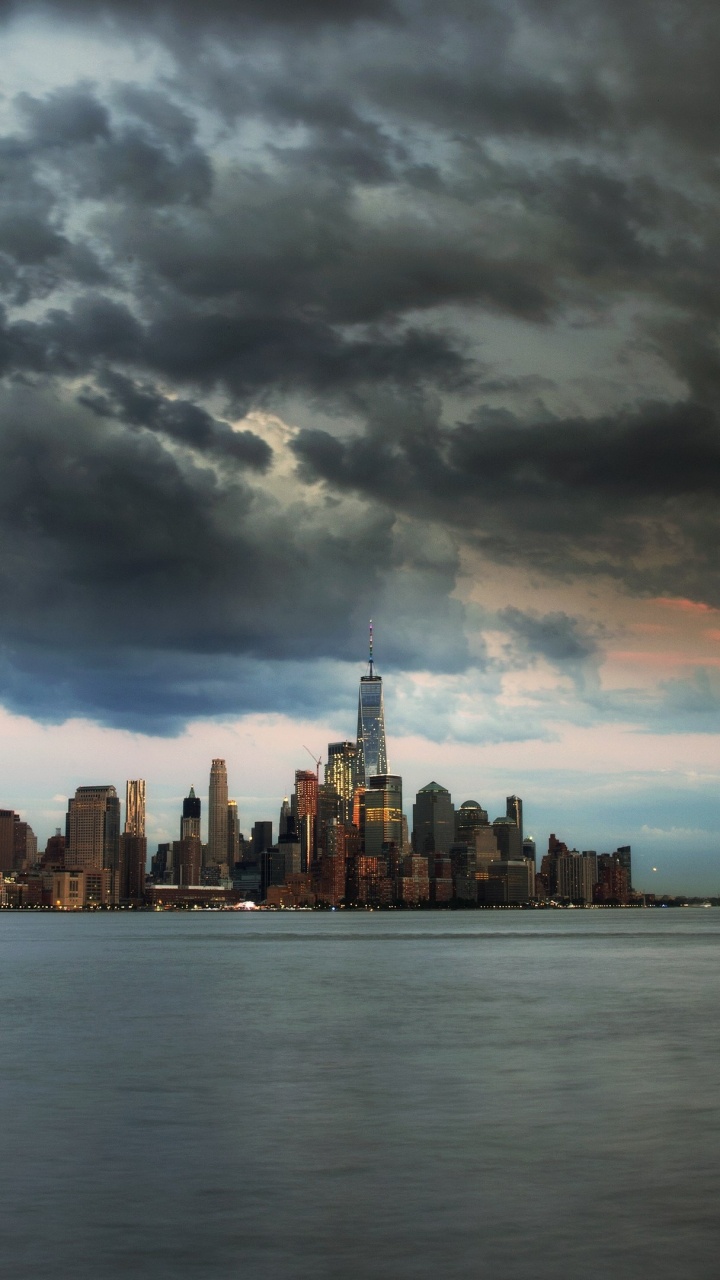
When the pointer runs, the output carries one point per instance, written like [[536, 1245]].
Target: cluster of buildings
[[344, 841]]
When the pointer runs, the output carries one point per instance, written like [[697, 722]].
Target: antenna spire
[[371, 647]]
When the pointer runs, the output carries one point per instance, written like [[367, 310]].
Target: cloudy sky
[[317, 311]]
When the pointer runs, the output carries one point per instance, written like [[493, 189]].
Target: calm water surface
[[508, 1095]]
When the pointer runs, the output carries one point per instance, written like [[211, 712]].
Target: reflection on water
[[500, 1095]]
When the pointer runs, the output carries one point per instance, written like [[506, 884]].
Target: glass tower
[[371, 750]]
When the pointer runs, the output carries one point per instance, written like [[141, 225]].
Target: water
[[500, 1095]]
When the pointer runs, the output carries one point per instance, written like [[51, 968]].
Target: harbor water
[[347, 1096]]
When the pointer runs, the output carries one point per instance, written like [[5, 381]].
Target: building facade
[[217, 814]]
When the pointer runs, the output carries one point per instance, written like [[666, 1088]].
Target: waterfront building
[[612, 887], [507, 883], [187, 860], [570, 872], [133, 860], [68, 890], [371, 748], [7, 840], [433, 820], [135, 807], [93, 829], [441, 878], [624, 857], [332, 867], [218, 814], [414, 882]]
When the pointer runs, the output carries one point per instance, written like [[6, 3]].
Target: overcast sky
[[317, 311]]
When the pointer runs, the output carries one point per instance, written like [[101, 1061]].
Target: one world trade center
[[372, 753]]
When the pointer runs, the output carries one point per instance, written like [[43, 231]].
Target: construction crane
[[317, 761]]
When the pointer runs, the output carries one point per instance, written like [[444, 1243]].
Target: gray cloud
[[347, 221]]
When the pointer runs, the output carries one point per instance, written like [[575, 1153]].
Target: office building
[[514, 811], [217, 815], [468, 818], [135, 808], [341, 775], [191, 815], [286, 814], [509, 840], [507, 883], [93, 826], [383, 814], [371, 749], [433, 820], [262, 837]]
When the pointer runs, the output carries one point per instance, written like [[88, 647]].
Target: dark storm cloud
[[123, 558], [555, 636], [332, 205], [294, 13], [632, 496], [180, 420]]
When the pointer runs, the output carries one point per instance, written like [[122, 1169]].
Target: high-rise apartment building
[[624, 856], [7, 840], [191, 814], [341, 773], [371, 749], [233, 834], [135, 808], [305, 809], [217, 814], [433, 820]]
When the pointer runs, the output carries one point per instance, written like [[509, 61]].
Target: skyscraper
[[433, 820], [233, 835], [513, 810], [93, 829], [135, 808], [218, 814], [190, 821], [383, 814], [371, 749], [340, 772], [305, 809]]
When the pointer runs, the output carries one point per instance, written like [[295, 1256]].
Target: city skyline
[[317, 313], [225, 818]]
